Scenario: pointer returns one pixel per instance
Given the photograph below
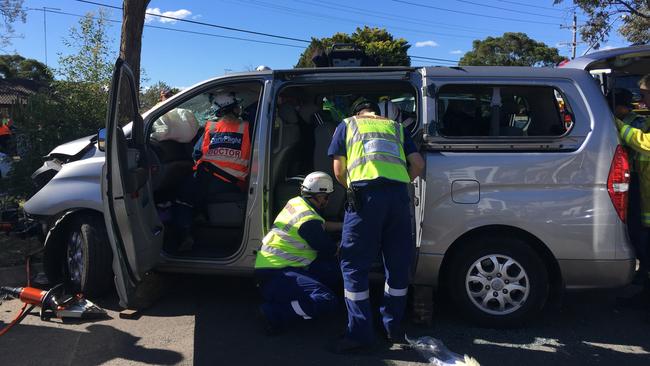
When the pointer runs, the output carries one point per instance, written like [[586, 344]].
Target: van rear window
[[502, 111]]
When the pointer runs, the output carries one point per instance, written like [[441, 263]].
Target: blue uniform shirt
[[337, 148]]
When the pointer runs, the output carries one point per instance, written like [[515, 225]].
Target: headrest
[[287, 112], [389, 110]]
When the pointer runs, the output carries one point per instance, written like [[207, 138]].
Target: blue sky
[[182, 59]]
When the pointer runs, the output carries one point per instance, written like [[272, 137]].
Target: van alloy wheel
[[74, 258], [497, 284]]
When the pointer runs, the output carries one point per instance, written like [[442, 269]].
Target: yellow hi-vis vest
[[375, 148], [283, 246]]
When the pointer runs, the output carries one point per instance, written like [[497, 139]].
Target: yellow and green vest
[[283, 246], [375, 148]]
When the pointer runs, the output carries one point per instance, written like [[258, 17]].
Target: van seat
[[323, 132]]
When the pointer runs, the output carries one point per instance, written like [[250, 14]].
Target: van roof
[[601, 59]]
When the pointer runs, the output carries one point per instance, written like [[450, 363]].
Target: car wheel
[[498, 281], [83, 257]]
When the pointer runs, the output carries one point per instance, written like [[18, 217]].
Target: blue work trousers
[[292, 293], [381, 226]]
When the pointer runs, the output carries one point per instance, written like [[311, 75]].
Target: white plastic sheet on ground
[[434, 351]]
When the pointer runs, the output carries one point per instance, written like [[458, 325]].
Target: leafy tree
[[10, 12], [602, 14], [16, 66], [377, 44], [151, 95], [71, 108], [133, 15], [511, 49], [93, 60]]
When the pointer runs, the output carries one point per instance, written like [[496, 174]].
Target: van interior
[[303, 121]]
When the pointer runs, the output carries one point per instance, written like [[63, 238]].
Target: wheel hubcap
[[497, 284], [74, 258]]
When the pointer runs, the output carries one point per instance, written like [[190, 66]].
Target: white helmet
[[224, 102], [262, 68], [317, 182]]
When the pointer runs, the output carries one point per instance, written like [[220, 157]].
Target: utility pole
[[574, 32], [45, 10]]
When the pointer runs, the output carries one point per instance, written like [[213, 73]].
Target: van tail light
[[618, 181]]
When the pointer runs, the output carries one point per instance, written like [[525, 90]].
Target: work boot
[[396, 338]]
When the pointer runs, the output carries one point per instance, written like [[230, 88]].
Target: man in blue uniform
[[296, 265], [376, 161]]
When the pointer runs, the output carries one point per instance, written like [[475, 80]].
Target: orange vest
[[227, 145], [4, 126]]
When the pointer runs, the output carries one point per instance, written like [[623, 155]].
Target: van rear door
[[134, 229]]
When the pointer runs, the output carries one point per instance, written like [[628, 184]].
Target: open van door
[[134, 229]]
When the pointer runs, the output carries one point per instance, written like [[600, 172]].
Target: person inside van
[[221, 155], [638, 139]]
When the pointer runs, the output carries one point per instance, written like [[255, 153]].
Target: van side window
[[502, 111]]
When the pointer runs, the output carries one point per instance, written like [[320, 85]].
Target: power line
[[470, 13], [385, 15], [203, 23], [220, 36], [301, 12], [179, 30], [533, 6], [505, 9]]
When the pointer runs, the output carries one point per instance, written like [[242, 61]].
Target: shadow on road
[[96, 345], [589, 329]]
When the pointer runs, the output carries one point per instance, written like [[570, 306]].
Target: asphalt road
[[210, 321]]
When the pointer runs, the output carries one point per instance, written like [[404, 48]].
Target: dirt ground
[[14, 250]]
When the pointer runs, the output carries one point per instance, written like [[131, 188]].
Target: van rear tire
[[498, 282]]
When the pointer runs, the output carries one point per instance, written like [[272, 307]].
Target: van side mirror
[[101, 139]]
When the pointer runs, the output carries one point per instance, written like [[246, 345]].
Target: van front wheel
[[82, 257], [498, 282]]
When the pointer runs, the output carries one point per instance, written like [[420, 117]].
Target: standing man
[[296, 265], [6, 124], [638, 139], [222, 155], [375, 161]]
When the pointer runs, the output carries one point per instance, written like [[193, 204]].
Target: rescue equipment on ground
[[53, 303]]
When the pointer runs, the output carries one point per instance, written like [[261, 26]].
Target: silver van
[[524, 193]]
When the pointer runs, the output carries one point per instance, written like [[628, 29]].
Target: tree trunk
[[131, 40]]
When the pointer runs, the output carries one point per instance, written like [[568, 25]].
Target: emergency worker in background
[[296, 265], [622, 107], [638, 139], [222, 155], [375, 160], [6, 126]]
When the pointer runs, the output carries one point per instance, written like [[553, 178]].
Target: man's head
[[622, 102], [317, 187], [644, 85], [363, 105], [165, 94]]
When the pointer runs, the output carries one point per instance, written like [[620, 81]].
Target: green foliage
[[151, 96], [68, 109], [602, 14], [65, 112], [93, 60], [375, 42], [16, 66], [10, 12], [511, 49]]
